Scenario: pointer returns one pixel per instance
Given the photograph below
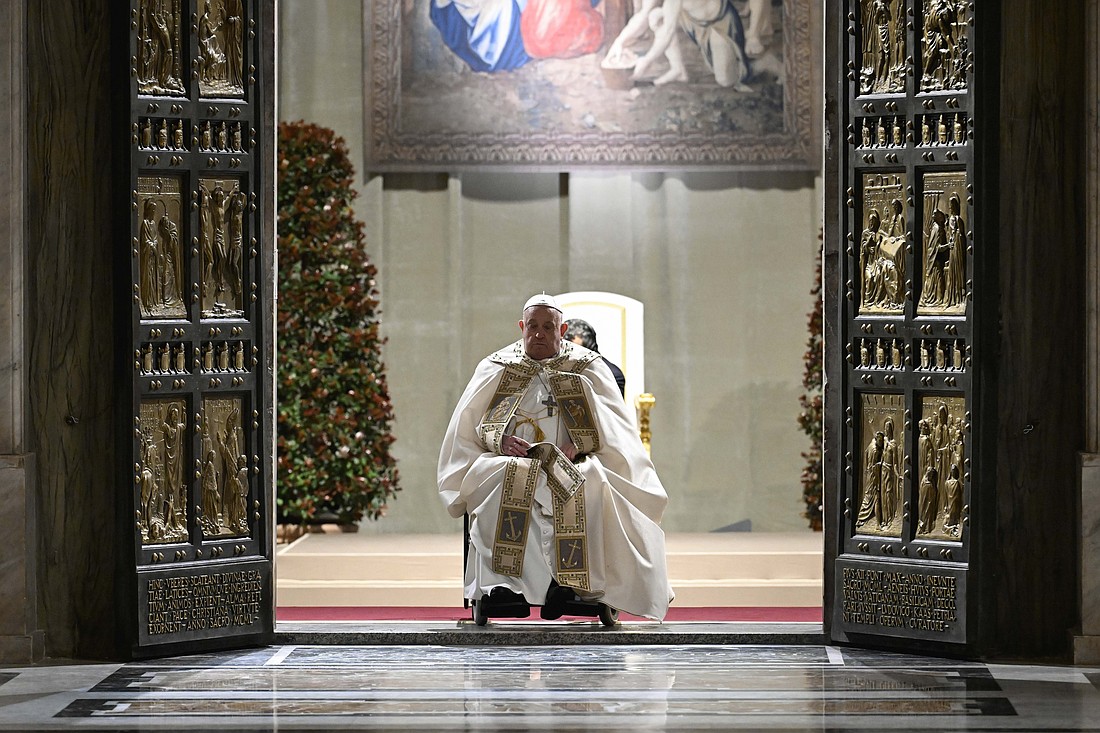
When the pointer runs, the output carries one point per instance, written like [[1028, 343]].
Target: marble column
[[20, 638], [1086, 645]]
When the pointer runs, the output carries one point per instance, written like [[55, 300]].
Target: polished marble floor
[[542, 688]]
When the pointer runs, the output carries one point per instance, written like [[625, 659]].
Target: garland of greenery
[[334, 410]]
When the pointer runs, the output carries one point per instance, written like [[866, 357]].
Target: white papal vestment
[[606, 542]]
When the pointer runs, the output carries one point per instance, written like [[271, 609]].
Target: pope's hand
[[510, 445]]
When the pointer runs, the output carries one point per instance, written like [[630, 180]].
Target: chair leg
[[479, 613], [465, 554]]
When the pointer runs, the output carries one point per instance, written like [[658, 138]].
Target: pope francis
[[563, 501]]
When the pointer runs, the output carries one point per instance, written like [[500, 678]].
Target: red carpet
[[413, 613]]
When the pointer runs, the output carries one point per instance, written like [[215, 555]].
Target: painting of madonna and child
[[651, 83]]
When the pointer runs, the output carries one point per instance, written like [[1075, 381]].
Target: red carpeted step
[[424, 613]]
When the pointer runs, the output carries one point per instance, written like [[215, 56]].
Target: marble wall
[[20, 637], [723, 263], [12, 388], [1087, 641]]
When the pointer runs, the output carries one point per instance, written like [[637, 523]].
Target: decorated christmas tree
[[335, 415], [810, 417]]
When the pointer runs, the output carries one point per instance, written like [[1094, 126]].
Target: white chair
[[619, 323]]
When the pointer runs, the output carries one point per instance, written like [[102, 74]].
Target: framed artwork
[[583, 84]]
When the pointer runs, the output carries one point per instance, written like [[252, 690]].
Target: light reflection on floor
[[598, 688]]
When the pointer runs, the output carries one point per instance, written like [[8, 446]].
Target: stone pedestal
[[1086, 644], [20, 639]]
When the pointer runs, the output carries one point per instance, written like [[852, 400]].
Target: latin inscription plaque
[[904, 600], [201, 605]]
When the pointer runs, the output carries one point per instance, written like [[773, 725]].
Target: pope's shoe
[[505, 603], [556, 599]]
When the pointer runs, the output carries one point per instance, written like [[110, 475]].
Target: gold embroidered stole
[[564, 480], [513, 385]]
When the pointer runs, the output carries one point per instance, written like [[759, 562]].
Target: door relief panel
[[945, 44], [158, 61], [942, 468], [221, 233], [224, 470], [881, 471], [884, 58], [160, 256], [220, 65], [883, 244], [163, 489], [944, 245]]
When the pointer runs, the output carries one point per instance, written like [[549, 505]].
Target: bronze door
[[200, 478], [901, 255]]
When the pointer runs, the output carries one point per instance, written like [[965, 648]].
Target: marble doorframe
[[1086, 644], [20, 638]]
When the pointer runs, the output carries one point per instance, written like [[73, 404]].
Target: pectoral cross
[[550, 403]]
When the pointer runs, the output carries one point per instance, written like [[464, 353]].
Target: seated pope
[[563, 501]]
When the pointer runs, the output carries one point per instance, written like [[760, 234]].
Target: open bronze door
[[198, 497], [903, 248]]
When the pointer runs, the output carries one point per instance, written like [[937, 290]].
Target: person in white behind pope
[[562, 497]]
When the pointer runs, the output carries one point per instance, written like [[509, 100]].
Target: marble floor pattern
[[550, 688]]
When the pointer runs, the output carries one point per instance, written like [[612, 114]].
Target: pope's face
[[542, 331]]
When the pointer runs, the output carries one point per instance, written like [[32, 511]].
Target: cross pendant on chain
[[550, 404]]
